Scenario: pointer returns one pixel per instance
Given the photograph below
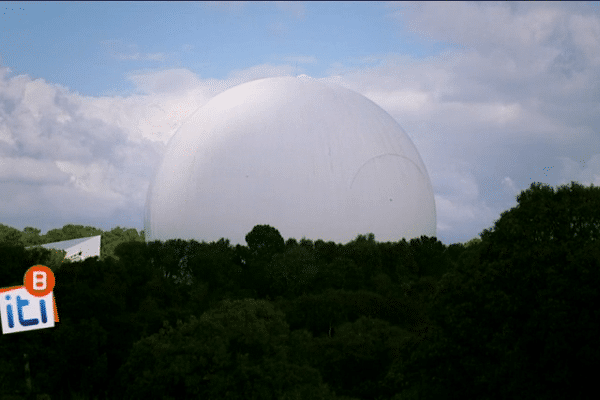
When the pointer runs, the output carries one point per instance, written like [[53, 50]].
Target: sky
[[494, 95]]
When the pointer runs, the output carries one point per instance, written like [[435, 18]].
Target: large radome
[[309, 158]]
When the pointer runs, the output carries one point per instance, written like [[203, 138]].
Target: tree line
[[510, 315]]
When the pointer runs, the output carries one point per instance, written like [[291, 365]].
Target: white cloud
[[6, 135], [90, 178], [261, 71], [586, 35], [510, 185], [461, 211], [29, 170], [524, 88], [82, 159], [165, 81], [55, 144], [583, 170], [460, 220], [480, 25], [402, 101], [522, 94]]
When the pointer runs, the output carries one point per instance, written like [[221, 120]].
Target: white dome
[[311, 159]]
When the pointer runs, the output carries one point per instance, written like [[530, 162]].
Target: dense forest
[[510, 315]]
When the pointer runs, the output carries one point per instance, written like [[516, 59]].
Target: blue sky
[[494, 95], [91, 47]]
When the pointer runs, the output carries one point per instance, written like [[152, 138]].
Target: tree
[[381, 283], [365, 252], [264, 241], [290, 243], [53, 235], [13, 264], [98, 291], [430, 256], [292, 272], [341, 273], [326, 251], [10, 235], [214, 263], [172, 258], [116, 236], [331, 308], [71, 231], [52, 258], [82, 368], [31, 236], [236, 351], [356, 360], [517, 318], [472, 242]]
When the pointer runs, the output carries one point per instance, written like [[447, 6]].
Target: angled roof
[[77, 249], [65, 244]]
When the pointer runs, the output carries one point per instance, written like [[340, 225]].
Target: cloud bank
[[517, 100]]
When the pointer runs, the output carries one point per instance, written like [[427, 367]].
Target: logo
[[31, 306]]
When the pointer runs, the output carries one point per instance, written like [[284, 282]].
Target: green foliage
[[69, 232], [169, 257], [235, 351], [307, 244], [431, 255], [473, 242], [52, 258], [341, 273], [544, 215], [424, 256], [326, 252], [114, 237], [365, 253], [14, 263], [382, 284], [318, 312], [31, 236], [510, 315], [291, 242], [10, 235], [355, 362], [454, 252], [292, 272], [84, 367], [144, 285], [116, 295], [517, 318], [214, 263], [264, 241]]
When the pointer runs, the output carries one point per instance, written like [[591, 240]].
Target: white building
[[77, 249], [309, 158]]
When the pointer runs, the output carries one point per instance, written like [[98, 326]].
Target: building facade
[[77, 249]]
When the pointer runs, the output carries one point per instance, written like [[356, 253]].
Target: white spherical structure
[[311, 159]]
